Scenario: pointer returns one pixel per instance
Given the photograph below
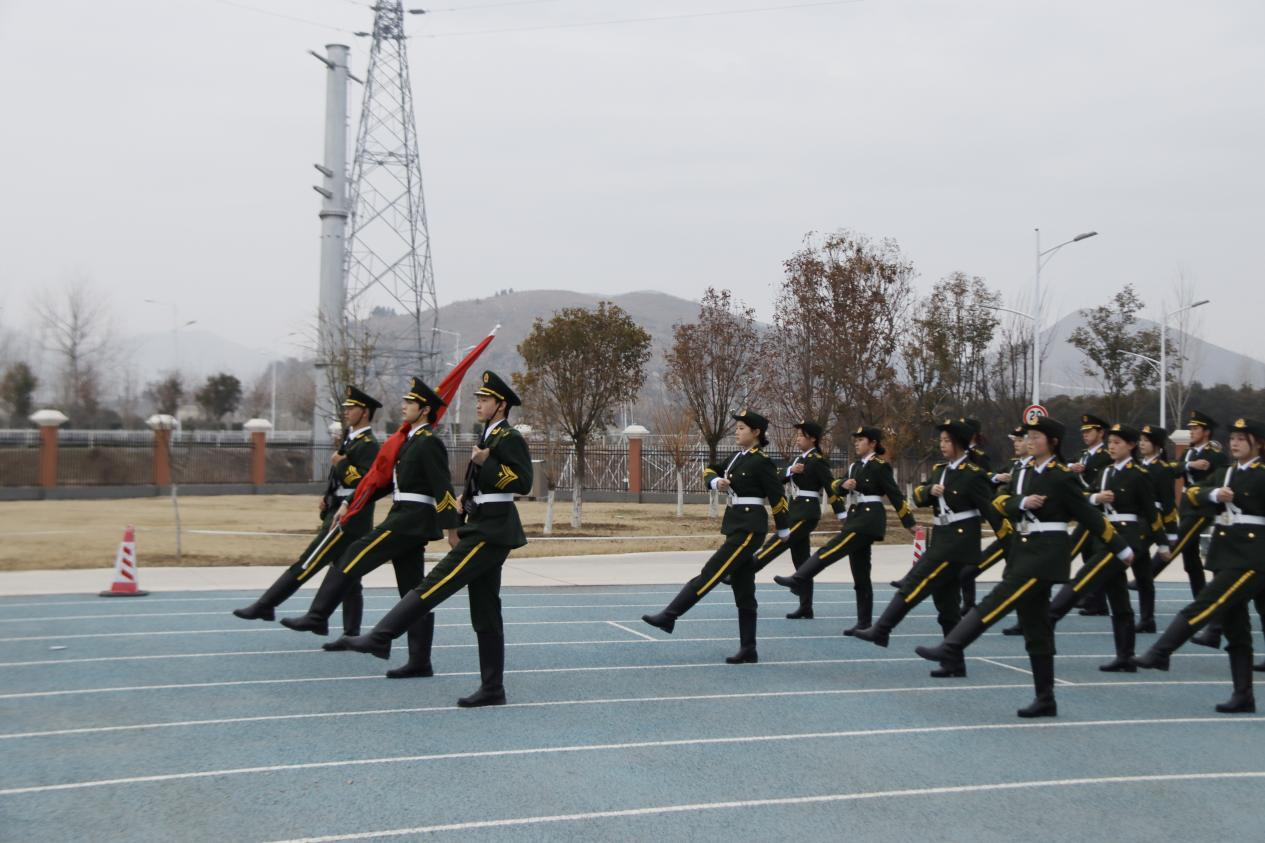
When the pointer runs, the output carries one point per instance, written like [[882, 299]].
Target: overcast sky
[[164, 148]]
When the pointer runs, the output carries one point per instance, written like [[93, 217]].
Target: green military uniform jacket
[[981, 458], [1047, 555], [1236, 544], [1094, 464], [361, 450], [1217, 461], [815, 477], [751, 474], [507, 469], [1163, 476], [966, 487], [421, 468], [1135, 496], [866, 517]]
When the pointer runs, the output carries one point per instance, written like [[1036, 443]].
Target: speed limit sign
[[1034, 412]]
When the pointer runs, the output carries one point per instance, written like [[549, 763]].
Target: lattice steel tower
[[388, 248]]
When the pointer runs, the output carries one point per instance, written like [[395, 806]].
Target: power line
[[651, 19], [495, 5], [282, 16]]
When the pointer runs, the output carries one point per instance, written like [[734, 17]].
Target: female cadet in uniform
[[996, 551], [1046, 496], [1126, 496], [500, 467], [869, 478], [355, 455], [1236, 559], [750, 479], [423, 508], [1163, 474], [960, 493], [809, 479], [1202, 461]]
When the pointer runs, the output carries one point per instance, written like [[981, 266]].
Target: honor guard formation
[[1115, 507]]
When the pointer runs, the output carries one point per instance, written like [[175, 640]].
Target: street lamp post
[[1041, 260], [1159, 370], [1163, 364], [175, 329]]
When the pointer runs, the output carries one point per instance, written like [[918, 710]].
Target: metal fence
[[20, 464]]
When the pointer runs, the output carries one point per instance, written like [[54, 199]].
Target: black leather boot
[[1146, 608], [880, 632], [1095, 604], [746, 639], [804, 573], [353, 612], [865, 612], [1157, 657], [967, 585], [805, 610], [327, 598], [1043, 680], [682, 603], [279, 592], [949, 651], [491, 672], [394, 623], [1012, 630], [1209, 636], [1061, 604], [1242, 701], [420, 637], [1122, 632]]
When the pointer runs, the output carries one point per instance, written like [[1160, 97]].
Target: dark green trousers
[[1029, 597], [1224, 600], [474, 564]]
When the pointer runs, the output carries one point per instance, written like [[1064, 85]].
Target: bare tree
[[1185, 345], [674, 432], [582, 365], [76, 326], [711, 364]]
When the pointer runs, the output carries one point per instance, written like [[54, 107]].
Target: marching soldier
[[1202, 460], [750, 479], [1126, 495], [858, 501], [352, 461], [423, 509], [1046, 497], [1236, 559], [1163, 474], [1092, 463], [976, 451], [960, 493], [809, 479], [500, 467], [996, 551]]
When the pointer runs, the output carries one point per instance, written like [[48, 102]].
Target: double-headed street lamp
[[1164, 317]]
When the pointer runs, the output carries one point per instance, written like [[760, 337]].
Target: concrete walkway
[[890, 562]]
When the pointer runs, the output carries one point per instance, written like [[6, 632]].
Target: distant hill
[[1212, 364]]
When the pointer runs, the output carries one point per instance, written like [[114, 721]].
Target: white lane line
[[620, 747], [954, 790], [1057, 680], [632, 631], [448, 709]]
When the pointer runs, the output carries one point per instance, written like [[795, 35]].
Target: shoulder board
[[879, 460], [1060, 467], [938, 466], [1214, 445], [1258, 465], [972, 466], [1139, 466]]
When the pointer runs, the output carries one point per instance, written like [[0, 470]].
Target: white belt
[[344, 493], [1026, 527], [410, 497], [868, 499], [1231, 518], [746, 501], [804, 493], [954, 517], [495, 497], [1122, 516]]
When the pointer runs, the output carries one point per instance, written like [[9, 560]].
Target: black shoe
[[800, 614], [874, 634], [371, 645], [1119, 665], [1242, 701], [1090, 613], [894, 583], [1259, 668], [949, 651], [746, 639], [420, 637], [662, 620], [307, 623], [256, 612], [409, 670], [949, 671], [1133, 586], [881, 631], [788, 582], [338, 645], [745, 655], [1040, 708], [1123, 635], [1017, 629], [1147, 625], [1043, 705], [1151, 660], [1157, 658], [482, 697], [1210, 637]]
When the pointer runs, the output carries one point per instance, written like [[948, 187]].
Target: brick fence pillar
[[162, 425], [258, 429], [49, 421], [634, 433]]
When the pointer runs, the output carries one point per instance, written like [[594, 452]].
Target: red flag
[[379, 475]]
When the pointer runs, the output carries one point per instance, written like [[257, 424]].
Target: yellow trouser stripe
[[839, 546], [1083, 581], [776, 541], [728, 562], [1011, 599], [1197, 619], [1194, 530], [454, 571], [923, 584], [369, 547], [317, 561], [996, 554], [1079, 544]]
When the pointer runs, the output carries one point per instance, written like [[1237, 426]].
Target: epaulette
[[879, 460], [1060, 466], [938, 466], [972, 466], [1215, 446], [368, 434]]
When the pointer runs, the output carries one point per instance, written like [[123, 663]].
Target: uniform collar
[[804, 455], [413, 431], [493, 426], [354, 433], [1025, 460], [868, 457], [1241, 466], [958, 461], [1095, 449], [1120, 465], [1042, 467]]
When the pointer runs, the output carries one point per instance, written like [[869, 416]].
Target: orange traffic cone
[[126, 583]]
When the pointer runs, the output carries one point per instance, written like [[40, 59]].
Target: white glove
[[783, 534]]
